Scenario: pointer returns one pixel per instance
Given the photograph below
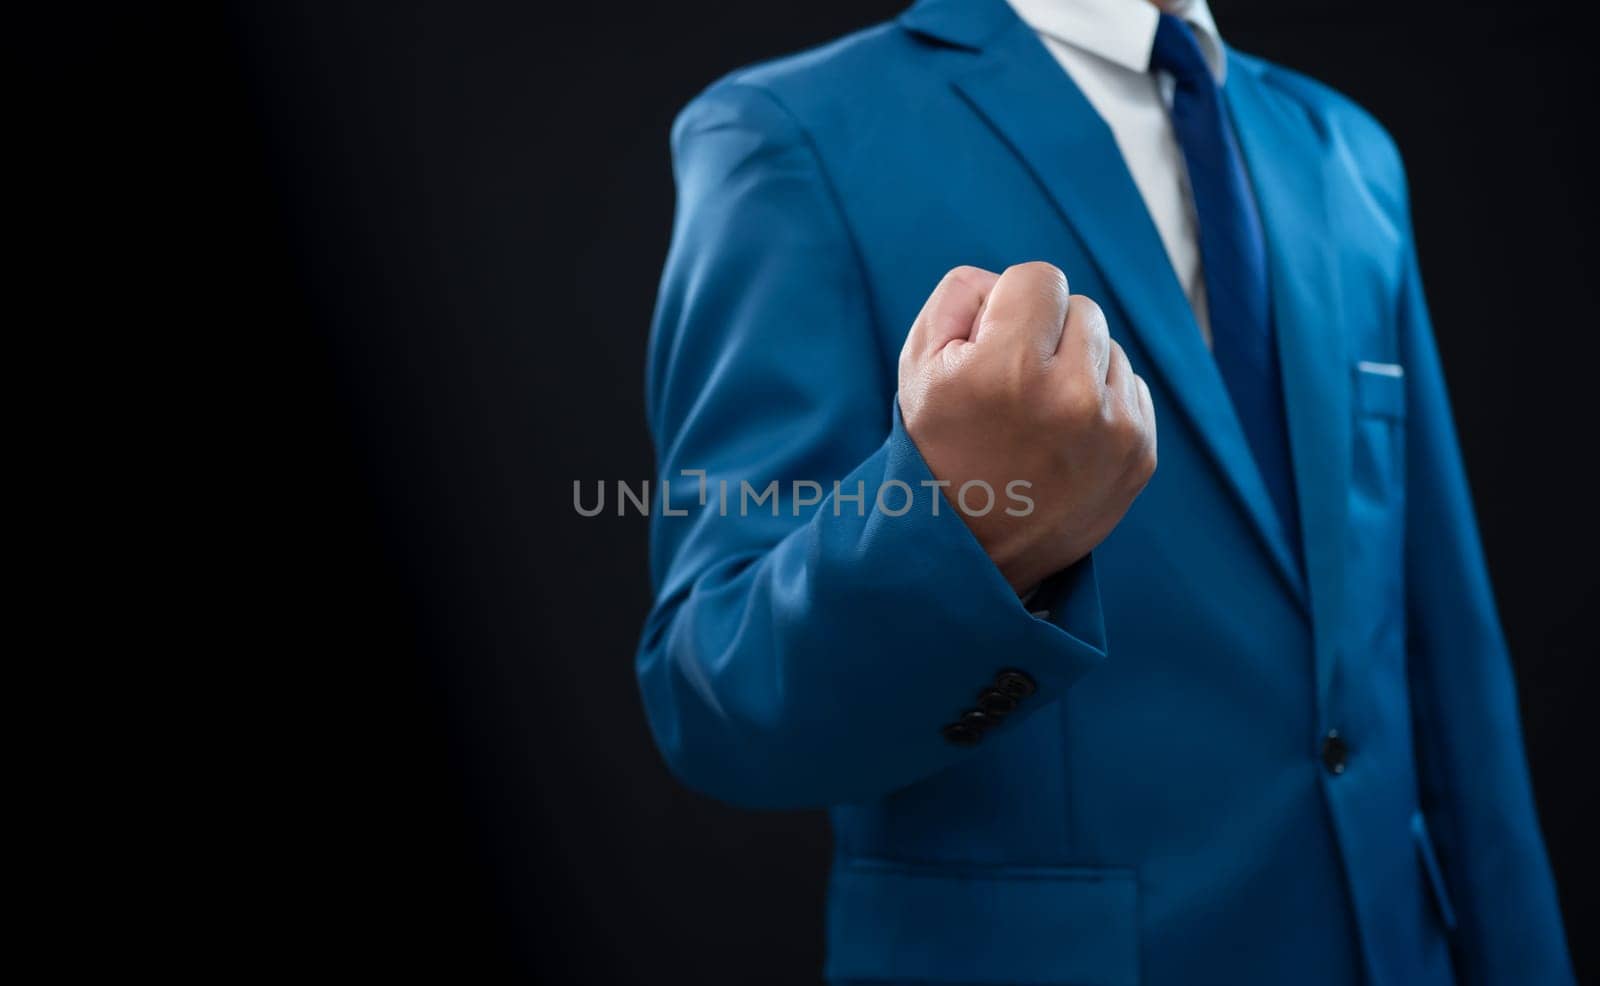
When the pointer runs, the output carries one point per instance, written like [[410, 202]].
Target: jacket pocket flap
[[1380, 389], [896, 922]]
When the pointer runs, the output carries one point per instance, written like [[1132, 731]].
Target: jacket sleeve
[[808, 643], [1476, 793]]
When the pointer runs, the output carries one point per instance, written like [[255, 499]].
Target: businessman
[[1059, 486]]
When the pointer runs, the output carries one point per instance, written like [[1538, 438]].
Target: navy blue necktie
[[1233, 252]]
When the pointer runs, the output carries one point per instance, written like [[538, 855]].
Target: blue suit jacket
[[1159, 811]]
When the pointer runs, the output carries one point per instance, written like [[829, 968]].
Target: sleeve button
[[978, 720], [961, 734], [1015, 683], [996, 703]]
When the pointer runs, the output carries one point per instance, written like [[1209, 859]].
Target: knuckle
[[1046, 276], [1079, 401], [1126, 428], [1111, 414], [964, 273], [1147, 403], [1093, 316], [1142, 460], [1144, 467]]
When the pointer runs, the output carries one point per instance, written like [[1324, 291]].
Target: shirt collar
[[1122, 31]]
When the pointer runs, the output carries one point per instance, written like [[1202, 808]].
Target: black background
[[386, 272]]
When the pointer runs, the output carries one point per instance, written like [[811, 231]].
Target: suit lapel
[[1036, 109], [1285, 159]]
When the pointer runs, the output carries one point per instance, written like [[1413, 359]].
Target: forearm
[[825, 669]]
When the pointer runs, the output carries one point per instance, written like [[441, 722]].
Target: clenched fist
[[1009, 380]]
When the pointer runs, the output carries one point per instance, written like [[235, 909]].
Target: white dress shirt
[[1104, 45]]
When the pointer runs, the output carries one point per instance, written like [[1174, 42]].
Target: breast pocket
[[1375, 549], [1380, 404]]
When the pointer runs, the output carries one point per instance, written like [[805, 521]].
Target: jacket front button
[[960, 734], [1335, 753]]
